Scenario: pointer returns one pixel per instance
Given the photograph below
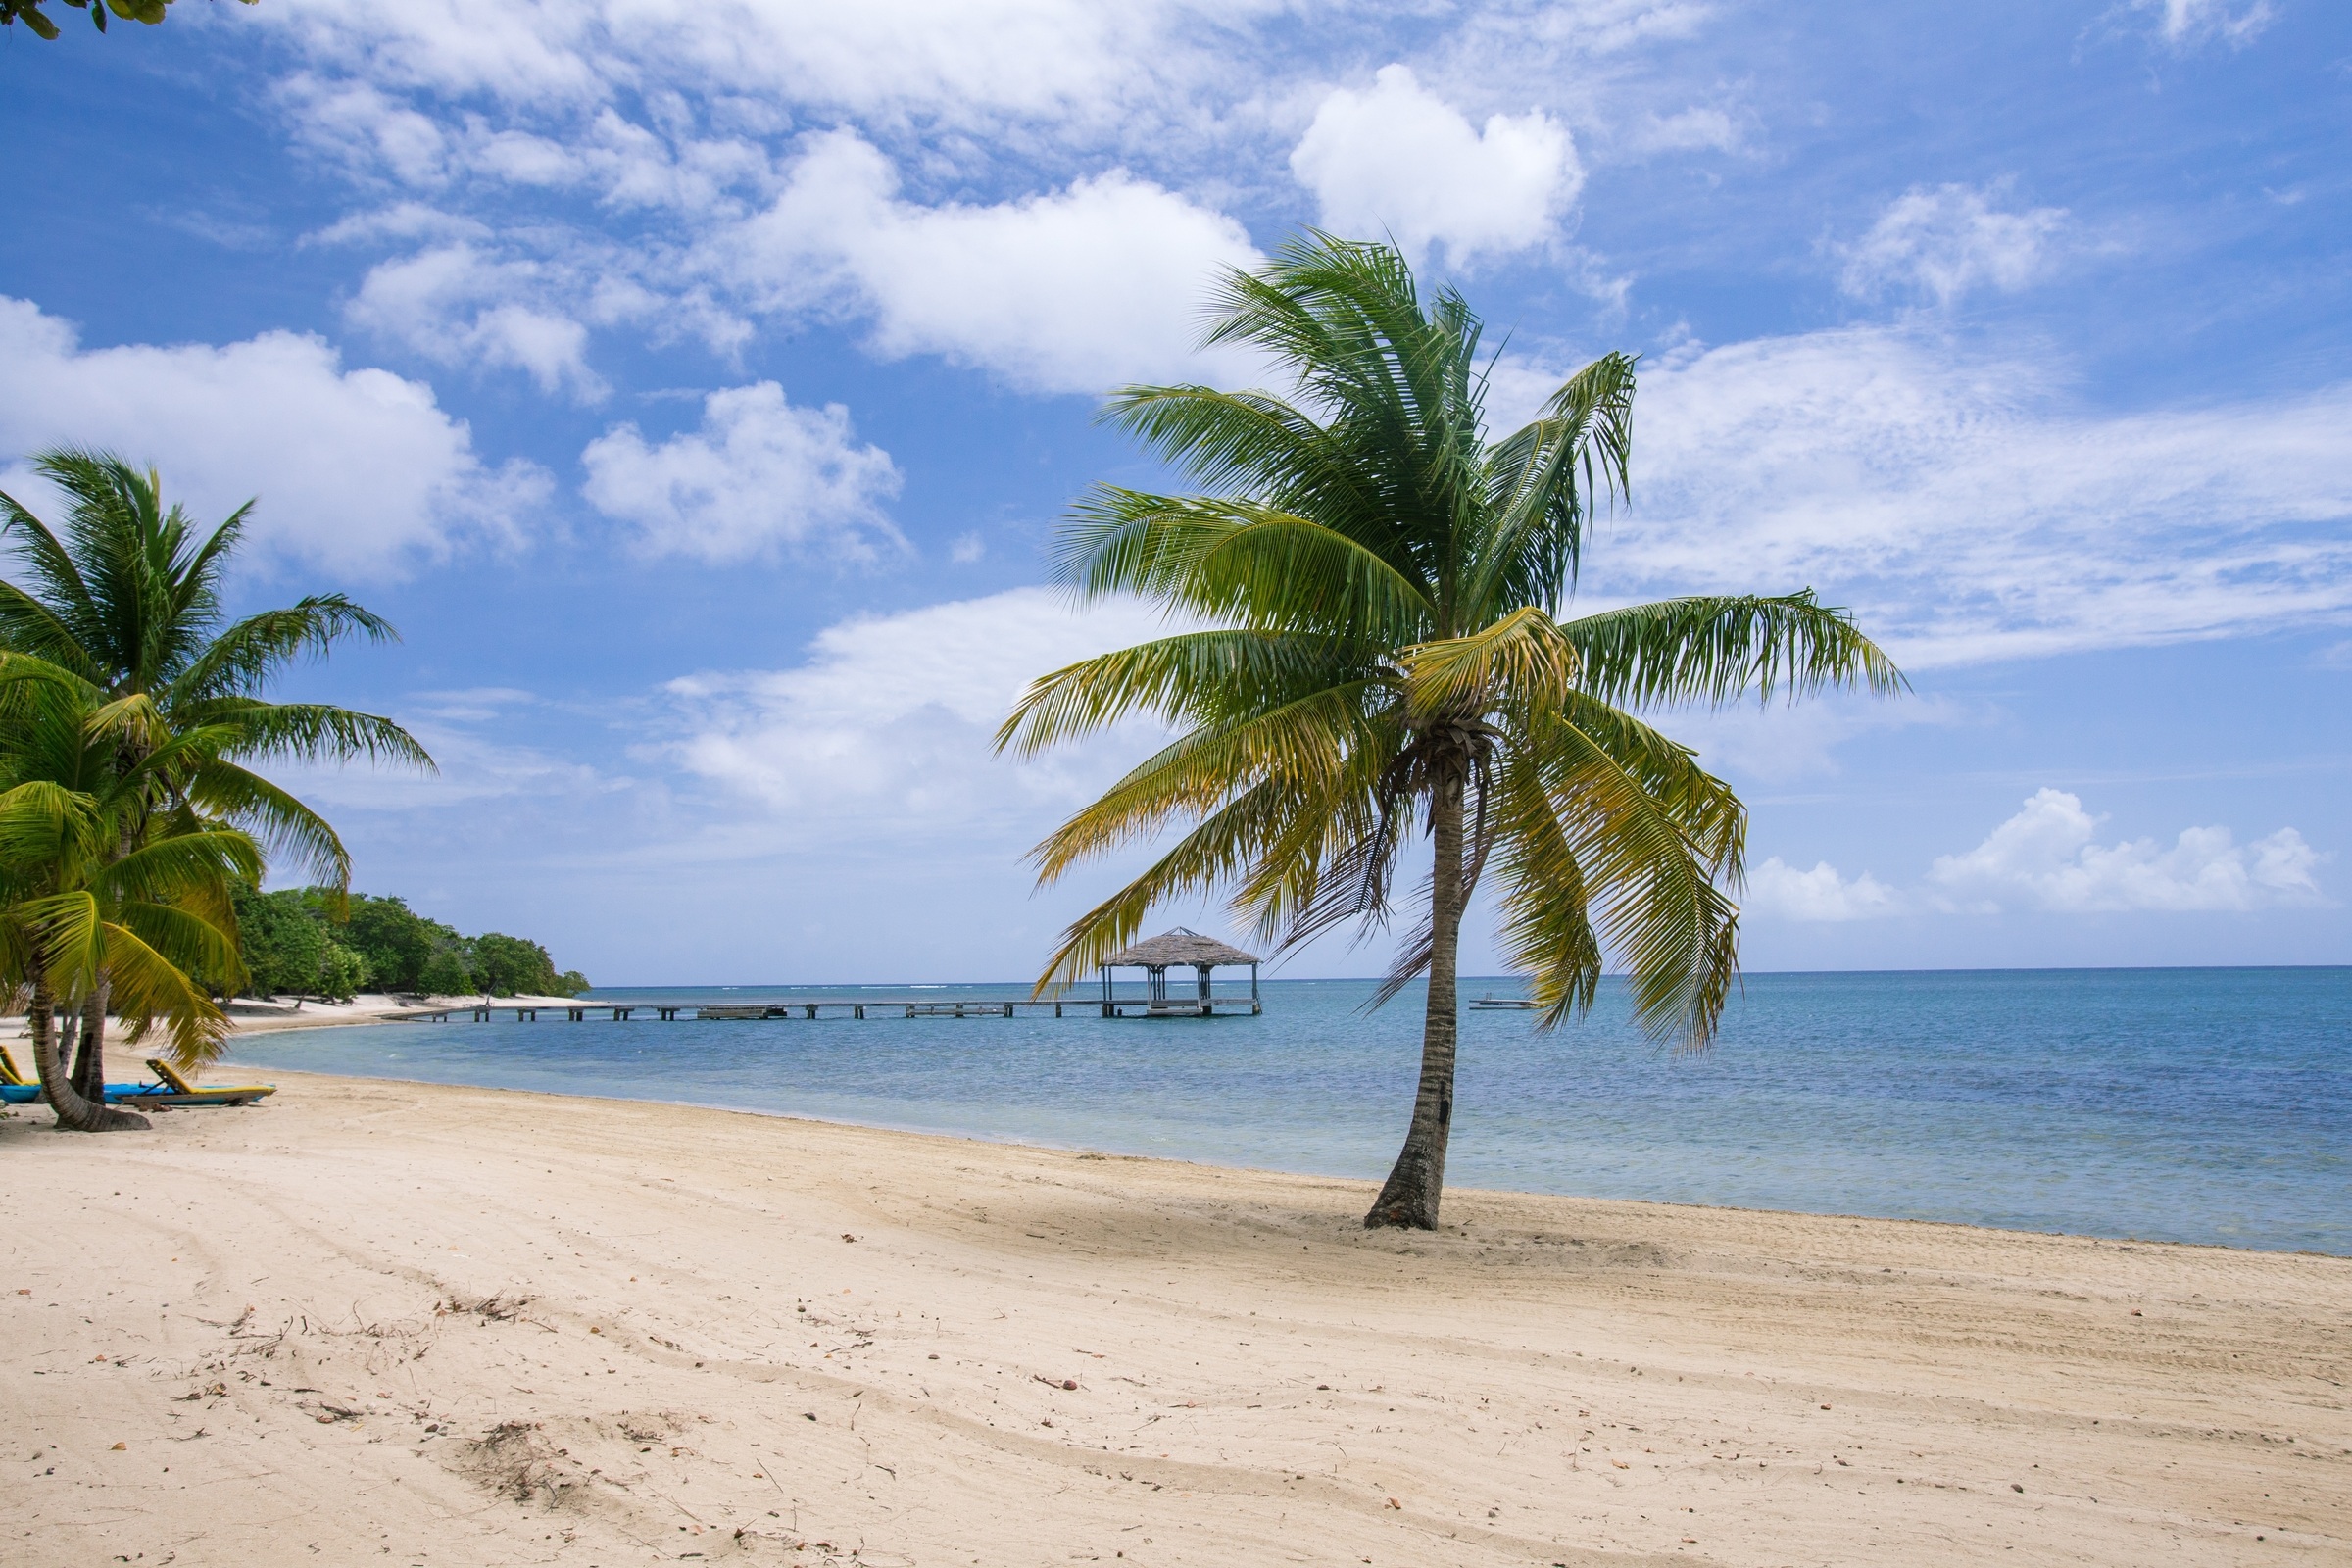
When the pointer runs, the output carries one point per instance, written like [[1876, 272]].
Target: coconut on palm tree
[[127, 597], [1386, 654], [86, 924]]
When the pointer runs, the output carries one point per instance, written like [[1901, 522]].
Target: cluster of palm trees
[[132, 715], [1389, 656]]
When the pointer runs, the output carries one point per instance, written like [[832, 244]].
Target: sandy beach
[[382, 1322]]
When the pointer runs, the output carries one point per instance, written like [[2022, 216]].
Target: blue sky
[[697, 383]]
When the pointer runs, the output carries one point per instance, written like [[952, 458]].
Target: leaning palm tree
[[127, 597], [1385, 654], [85, 924]]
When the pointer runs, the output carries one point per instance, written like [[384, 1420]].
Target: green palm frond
[[147, 987], [1239, 562], [272, 815], [1652, 833], [1297, 743], [1519, 660], [1540, 510], [254, 651], [1200, 677], [1546, 919], [306, 732], [1718, 650]]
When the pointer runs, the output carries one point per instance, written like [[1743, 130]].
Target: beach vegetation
[[325, 943], [125, 597], [1372, 651], [116, 888]]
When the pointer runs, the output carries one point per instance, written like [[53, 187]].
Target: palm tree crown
[[129, 600], [107, 905], [1385, 653]]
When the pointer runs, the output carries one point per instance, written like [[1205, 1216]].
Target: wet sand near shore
[[386, 1322]]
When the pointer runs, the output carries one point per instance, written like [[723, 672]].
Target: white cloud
[[1693, 129], [963, 62], [759, 476], [1791, 741], [891, 721], [1778, 889], [1072, 291], [1965, 508], [1399, 160], [2046, 856], [359, 472], [2185, 25], [1947, 241], [453, 304]]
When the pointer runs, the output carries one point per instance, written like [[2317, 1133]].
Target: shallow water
[[2181, 1104]]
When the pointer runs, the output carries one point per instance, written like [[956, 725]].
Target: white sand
[[384, 1323]]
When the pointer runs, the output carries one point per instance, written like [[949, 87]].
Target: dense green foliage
[[150, 12], [294, 945], [110, 901]]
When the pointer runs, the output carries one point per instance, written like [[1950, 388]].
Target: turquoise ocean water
[[2182, 1105]]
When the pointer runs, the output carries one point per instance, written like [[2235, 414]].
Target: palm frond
[[1720, 648], [253, 652], [1543, 484], [1202, 677], [1239, 562]]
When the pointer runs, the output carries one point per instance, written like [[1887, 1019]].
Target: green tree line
[[293, 943]]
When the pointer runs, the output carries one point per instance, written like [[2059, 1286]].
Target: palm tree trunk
[[89, 1063], [76, 1112], [1409, 1196]]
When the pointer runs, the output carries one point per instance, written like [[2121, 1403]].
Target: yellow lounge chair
[[171, 1089], [17, 1090]]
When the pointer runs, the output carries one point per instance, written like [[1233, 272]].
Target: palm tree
[[83, 922], [1384, 651], [129, 599]]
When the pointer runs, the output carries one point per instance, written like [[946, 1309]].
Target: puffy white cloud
[[890, 722], [1964, 507], [1945, 242], [359, 472], [1072, 291], [455, 305], [2047, 857], [1402, 160], [1778, 889], [759, 476]]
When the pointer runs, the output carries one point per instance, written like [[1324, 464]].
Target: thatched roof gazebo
[[1180, 948]]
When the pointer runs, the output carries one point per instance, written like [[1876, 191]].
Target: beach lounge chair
[[14, 1090], [17, 1090], [171, 1089]]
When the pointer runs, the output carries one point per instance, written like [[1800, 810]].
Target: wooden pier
[[812, 1011], [1180, 948]]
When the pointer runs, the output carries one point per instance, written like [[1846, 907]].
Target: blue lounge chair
[[169, 1089]]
